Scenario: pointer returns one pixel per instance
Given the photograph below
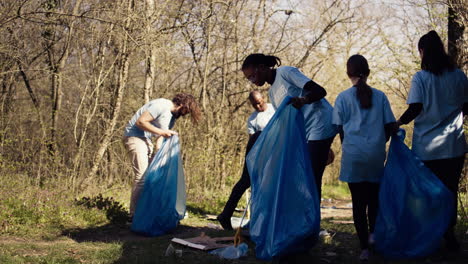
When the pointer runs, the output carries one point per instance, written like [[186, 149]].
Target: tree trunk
[[455, 36], [151, 59], [56, 79], [118, 97]]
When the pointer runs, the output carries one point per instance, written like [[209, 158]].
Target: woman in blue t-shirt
[[307, 95], [437, 103], [365, 121]]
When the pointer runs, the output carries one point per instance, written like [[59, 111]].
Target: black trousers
[[365, 196], [449, 172], [242, 185], [318, 150]]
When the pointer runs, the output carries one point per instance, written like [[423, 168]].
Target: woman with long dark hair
[[365, 121], [437, 103], [307, 95]]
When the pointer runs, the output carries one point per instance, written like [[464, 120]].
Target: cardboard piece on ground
[[342, 221], [211, 217], [204, 242]]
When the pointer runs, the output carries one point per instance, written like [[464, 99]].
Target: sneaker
[[371, 239], [225, 222], [364, 255]]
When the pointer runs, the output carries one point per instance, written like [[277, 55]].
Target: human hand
[[298, 102], [168, 133], [396, 127]]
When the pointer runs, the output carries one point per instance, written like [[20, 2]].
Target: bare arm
[[315, 93], [390, 129], [158, 144], [411, 113], [341, 132], [144, 123]]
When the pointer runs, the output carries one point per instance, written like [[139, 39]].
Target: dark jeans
[[241, 186], [365, 196], [449, 172], [318, 150]]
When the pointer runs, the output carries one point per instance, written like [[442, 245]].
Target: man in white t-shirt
[[257, 121], [155, 118], [261, 116]]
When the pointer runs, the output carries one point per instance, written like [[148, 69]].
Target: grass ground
[[47, 226]]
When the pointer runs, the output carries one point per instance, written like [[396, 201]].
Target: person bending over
[[155, 118]]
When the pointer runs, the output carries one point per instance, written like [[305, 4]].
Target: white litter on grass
[[213, 226], [324, 233], [235, 222]]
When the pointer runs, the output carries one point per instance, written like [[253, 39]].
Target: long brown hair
[[434, 57], [188, 101], [358, 67]]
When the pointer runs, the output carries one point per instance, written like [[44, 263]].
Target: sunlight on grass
[[339, 190]]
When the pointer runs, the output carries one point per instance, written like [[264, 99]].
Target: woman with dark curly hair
[[155, 118], [307, 95]]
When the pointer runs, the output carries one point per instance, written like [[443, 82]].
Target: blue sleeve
[[387, 111], [415, 94], [338, 113], [295, 76]]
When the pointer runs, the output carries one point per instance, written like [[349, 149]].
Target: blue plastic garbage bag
[[162, 202], [285, 212], [415, 207]]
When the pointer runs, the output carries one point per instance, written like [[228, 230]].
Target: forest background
[[73, 72]]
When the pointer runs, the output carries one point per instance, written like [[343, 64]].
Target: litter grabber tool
[[238, 239]]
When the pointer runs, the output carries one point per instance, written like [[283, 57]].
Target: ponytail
[[256, 59], [364, 94], [357, 66]]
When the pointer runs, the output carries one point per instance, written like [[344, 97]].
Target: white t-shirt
[[364, 141], [289, 81], [438, 129], [258, 120], [160, 110]]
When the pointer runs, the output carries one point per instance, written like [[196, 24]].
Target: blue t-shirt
[[438, 129], [258, 120], [160, 110], [289, 81], [364, 141]]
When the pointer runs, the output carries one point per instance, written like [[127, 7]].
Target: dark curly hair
[[188, 102], [256, 59]]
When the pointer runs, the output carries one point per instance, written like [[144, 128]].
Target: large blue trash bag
[[162, 202], [285, 209], [415, 207]]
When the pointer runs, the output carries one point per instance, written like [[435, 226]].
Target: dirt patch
[[332, 208]]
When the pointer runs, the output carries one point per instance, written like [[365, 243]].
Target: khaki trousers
[[140, 150]]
